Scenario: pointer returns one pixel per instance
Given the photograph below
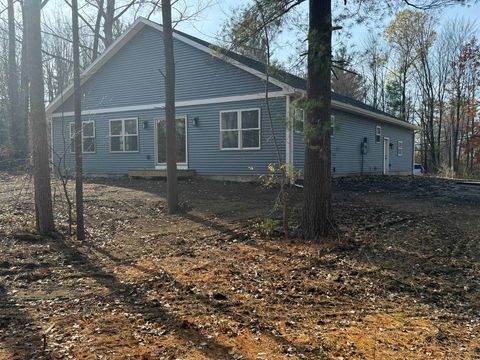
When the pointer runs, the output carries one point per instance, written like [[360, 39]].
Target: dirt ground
[[400, 279]]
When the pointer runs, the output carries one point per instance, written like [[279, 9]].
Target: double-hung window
[[88, 136], [299, 121], [124, 135], [378, 133], [399, 148], [240, 129]]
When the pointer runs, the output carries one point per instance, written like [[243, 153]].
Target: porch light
[[196, 121]]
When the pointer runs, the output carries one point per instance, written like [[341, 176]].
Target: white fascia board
[[184, 103], [97, 64]]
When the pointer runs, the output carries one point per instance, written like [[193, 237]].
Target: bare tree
[[317, 211], [78, 124], [172, 188], [13, 83], [43, 193]]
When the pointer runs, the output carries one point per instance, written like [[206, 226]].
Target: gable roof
[[286, 81]]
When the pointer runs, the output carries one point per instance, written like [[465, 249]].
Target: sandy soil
[[399, 280]]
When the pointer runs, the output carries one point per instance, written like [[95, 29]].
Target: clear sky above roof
[[210, 23]]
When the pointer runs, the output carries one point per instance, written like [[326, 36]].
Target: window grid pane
[[116, 127], [229, 121], [131, 143], [250, 119], [230, 139], [130, 127], [250, 139], [116, 143]]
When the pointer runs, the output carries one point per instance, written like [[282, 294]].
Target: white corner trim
[[184, 103]]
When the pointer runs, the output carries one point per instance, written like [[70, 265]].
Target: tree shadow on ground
[[150, 310], [400, 273], [225, 307], [19, 336]]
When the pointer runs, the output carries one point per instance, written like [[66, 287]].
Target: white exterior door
[[386, 155], [161, 146]]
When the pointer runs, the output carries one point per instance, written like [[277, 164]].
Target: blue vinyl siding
[[349, 133], [204, 154], [133, 76]]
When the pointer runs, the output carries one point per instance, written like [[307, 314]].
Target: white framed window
[[378, 134], [88, 136], [124, 135], [332, 125], [399, 148], [240, 129], [298, 120], [72, 137]]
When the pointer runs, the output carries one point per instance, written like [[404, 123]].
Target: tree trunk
[[24, 95], [172, 192], [41, 170], [108, 24], [78, 123], [13, 119], [96, 36], [317, 211]]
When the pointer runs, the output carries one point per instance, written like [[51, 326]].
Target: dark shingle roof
[[283, 76]]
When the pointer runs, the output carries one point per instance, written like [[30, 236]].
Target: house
[[223, 128]]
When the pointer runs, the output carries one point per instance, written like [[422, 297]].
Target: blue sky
[[210, 22]]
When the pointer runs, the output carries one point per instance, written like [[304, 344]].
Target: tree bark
[[317, 211], [41, 170], [24, 91], [172, 191], [78, 123], [96, 35], [13, 119], [108, 24]]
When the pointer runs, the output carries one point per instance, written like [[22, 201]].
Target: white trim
[[240, 129], [219, 100], [162, 166], [122, 135]]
